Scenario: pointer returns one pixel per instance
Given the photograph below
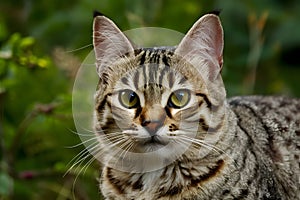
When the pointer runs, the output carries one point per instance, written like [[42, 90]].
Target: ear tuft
[[215, 12], [97, 13]]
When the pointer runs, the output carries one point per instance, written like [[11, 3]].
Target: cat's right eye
[[129, 99]]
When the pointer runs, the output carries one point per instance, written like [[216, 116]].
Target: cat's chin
[[151, 144], [151, 147]]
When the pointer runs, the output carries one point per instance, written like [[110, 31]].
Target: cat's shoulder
[[264, 104], [273, 113]]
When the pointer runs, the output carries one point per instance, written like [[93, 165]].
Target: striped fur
[[241, 148]]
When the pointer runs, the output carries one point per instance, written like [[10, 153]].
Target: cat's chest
[[172, 182]]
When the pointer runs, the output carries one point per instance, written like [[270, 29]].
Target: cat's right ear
[[110, 44]]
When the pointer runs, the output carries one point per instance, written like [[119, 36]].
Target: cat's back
[[279, 115], [272, 126]]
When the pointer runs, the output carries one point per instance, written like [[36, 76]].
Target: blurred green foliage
[[40, 52]]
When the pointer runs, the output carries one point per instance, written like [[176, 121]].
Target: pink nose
[[152, 126], [152, 118]]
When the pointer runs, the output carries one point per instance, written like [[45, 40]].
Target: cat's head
[[162, 100]]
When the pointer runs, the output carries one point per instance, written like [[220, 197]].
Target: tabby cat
[[166, 130]]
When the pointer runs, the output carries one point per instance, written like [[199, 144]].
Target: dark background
[[42, 44]]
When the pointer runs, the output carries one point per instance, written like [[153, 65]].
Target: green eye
[[129, 99], [179, 98]]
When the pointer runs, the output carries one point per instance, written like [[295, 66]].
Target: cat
[[166, 130]]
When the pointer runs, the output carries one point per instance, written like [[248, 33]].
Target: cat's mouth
[[155, 140], [153, 143]]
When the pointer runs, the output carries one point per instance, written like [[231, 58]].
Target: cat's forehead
[[160, 50], [155, 55], [155, 70]]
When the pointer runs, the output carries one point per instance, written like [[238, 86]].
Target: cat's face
[[152, 103], [158, 100]]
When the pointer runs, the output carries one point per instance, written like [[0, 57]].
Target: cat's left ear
[[110, 44], [203, 45]]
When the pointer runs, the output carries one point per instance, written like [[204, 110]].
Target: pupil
[[131, 97]]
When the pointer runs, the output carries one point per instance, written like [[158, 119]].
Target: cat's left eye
[[129, 99], [179, 98]]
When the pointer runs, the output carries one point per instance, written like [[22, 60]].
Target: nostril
[[146, 122]]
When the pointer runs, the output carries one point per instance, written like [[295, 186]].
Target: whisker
[[85, 167], [92, 131], [80, 48], [203, 143], [126, 150], [192, 127], [84, 151], [91, 150], [121, 149], [83, 155], [80, 170], [199, 142], [81, 143]]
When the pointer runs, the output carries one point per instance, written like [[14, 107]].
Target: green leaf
[[6, 184], [27, 42], [3, 30], [43, 62]]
